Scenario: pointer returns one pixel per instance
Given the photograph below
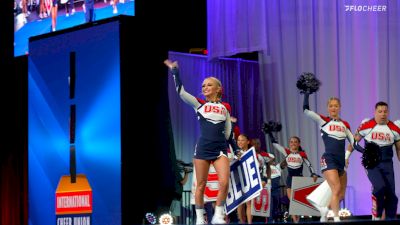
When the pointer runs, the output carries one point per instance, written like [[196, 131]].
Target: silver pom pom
[[308, 83]]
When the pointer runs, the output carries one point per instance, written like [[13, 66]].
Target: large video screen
[[74, 134], [36, 17]]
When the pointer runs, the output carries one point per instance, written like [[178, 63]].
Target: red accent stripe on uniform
[[326, 119], [393, 127], [367, 125]]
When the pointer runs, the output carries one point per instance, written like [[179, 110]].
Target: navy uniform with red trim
[[382, 176], [215, 123], [334, 133], [276, 171], [295, 161]]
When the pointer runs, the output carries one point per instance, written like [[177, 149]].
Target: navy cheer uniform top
[[215, 124]]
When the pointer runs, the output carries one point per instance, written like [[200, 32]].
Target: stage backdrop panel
[[92, 55]]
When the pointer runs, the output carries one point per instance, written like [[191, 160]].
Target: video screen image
[[36, 17], [74, 128]]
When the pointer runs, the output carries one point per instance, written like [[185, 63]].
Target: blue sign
[[245, 180]]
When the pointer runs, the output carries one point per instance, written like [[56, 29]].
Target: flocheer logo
[[365, 8]]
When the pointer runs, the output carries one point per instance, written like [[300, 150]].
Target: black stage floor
[[362, 220], [359, 220]]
